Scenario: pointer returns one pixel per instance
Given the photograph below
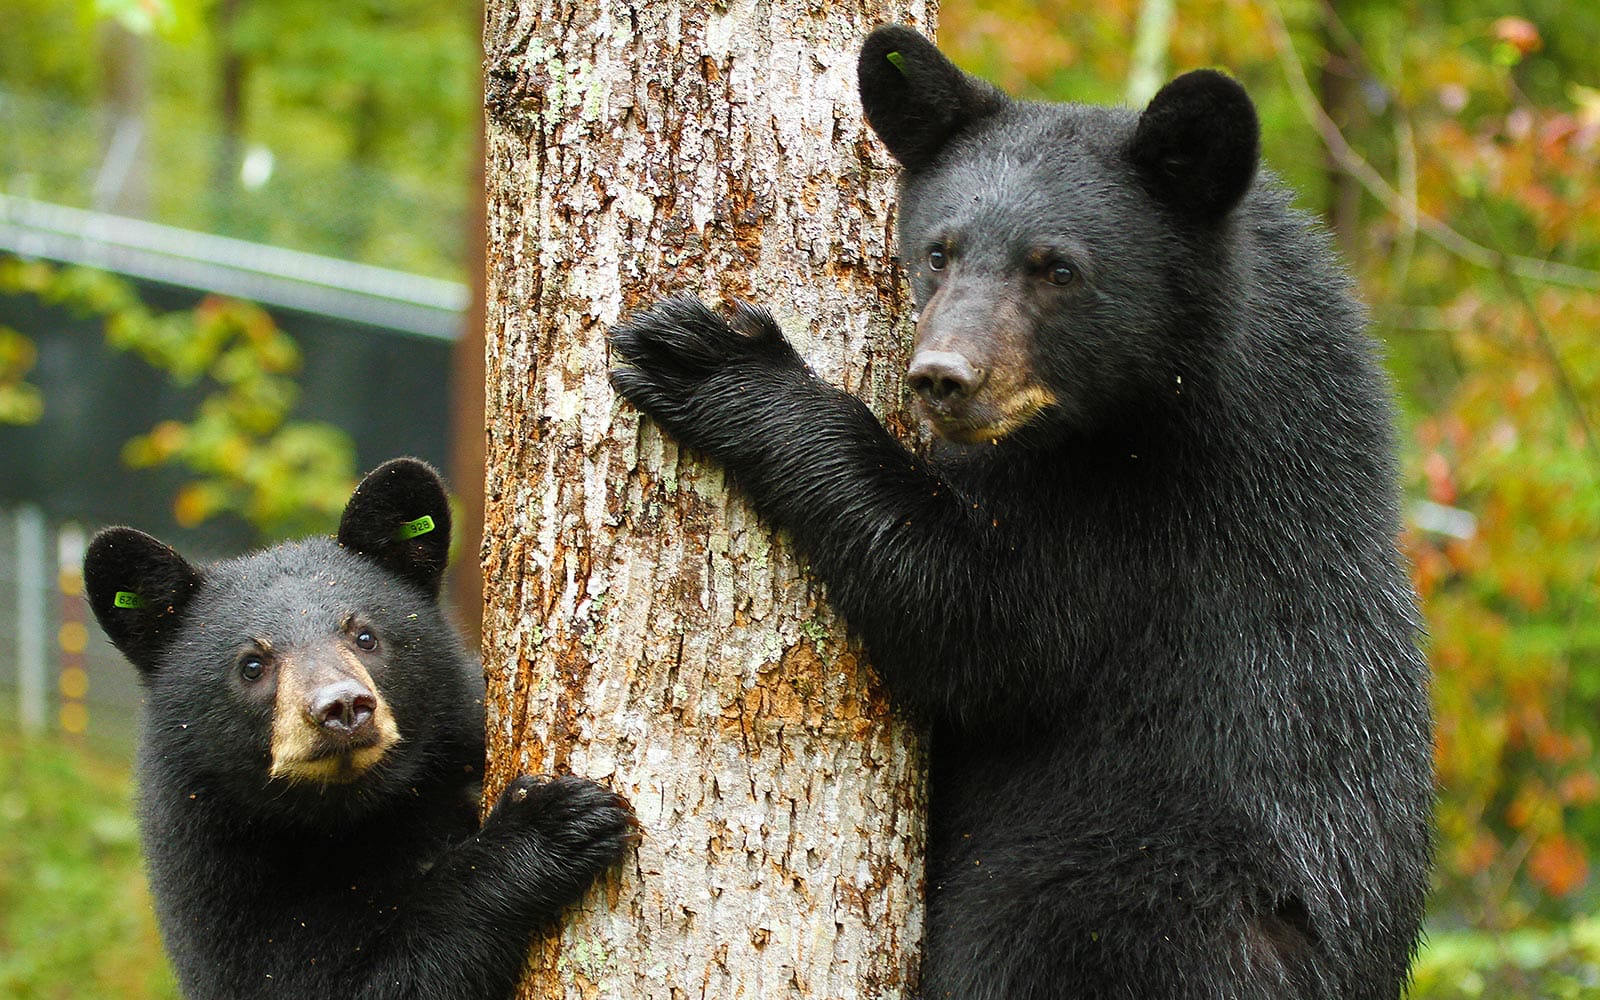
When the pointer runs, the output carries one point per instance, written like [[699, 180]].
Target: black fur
[[382, 887], [918, 100], [1181, 739], [1197, 144]]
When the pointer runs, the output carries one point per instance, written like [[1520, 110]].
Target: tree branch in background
[[1547, 346], [1532, 268], [1513, 269]]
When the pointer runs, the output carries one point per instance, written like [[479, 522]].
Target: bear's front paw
[[572, 818], [685, 365]]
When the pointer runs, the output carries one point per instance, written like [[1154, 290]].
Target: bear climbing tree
[[1145, 586], [644, 628]]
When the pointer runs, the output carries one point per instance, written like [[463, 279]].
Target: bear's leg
[[1107, 906], [1104, 949]]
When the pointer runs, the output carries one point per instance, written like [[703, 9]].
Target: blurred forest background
[[1454, 148]]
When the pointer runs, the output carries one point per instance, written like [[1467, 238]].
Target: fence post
[[32, 623], [72, 639]]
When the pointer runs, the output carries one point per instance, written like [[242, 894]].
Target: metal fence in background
[[58, 671]]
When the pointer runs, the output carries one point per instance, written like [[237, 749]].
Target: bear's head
[[1065, 259], [301, 680]]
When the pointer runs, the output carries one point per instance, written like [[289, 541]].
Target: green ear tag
[[127, 599], [411, 529], [898, 60]]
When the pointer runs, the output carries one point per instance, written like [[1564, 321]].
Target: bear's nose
[[943, 377], [343, 707]]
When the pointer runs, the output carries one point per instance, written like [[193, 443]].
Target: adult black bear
[[309, 764], [1145, 586]]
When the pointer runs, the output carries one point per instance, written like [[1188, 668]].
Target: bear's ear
[[138, 588], [400, 517], [915, 98], [1197, 144]]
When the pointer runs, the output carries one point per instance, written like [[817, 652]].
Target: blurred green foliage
[[349, 135], [345, 131], [75, 919], [21, 402], [1552, 963], [284, 477]]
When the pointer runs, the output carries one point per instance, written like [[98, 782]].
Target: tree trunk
[[232, 70], [1338, 84], [642, 627], [1151, 43], [122, 186]]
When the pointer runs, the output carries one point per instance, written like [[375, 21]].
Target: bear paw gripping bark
[[310, 759], [686, 365], [1145, 585], [566, 830]]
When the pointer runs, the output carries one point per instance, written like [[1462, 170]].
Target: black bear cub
[[1145, 586], [310, 759]]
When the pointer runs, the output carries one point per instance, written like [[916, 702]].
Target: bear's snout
[[343, 708], [944, 379], [332, 723]]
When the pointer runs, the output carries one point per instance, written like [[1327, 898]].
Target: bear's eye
[[937, 259], [366, 639], [252, 667], [1059, 273]]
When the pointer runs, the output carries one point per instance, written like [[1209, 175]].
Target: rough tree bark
[[642, 627]]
